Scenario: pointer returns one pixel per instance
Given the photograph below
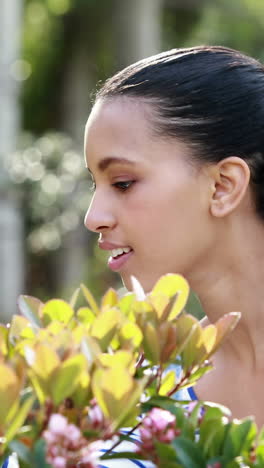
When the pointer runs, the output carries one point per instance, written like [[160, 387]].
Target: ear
[[230, 181]]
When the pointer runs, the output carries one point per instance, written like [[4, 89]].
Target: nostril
[[100, 229]]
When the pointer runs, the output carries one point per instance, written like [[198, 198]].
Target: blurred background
[[53, 56]]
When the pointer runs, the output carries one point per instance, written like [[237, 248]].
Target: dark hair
[[211, 97]]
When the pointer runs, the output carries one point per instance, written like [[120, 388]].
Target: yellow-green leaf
[[74, 298], [105, 326], [81, 393], [67, 377], [90, 349], [110, 298], [173, 285], [9, 390], [120, 358], [18, 324], [85, 315], [170, 285], [57, 309], [168, 383], [125, 304], [117, 393], [159, 302], [19, 419], [209, 336], [43, 360], [151, 343], [3, 340], [90, 299], [224, 326], [130, 335], [30, 308]]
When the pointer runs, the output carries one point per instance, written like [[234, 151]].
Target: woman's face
[[149, 199]]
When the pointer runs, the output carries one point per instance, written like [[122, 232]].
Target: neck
[[233, 281]]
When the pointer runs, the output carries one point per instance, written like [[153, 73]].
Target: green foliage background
[[54, 32]]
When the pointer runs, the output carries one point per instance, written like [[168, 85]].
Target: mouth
[[119, 257]]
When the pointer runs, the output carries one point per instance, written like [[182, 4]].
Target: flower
[[66, 445], [158, 426]]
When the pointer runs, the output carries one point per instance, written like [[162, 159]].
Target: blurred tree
[[12, 71]]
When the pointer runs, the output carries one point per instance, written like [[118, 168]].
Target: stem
[[120, 441], [140, 361], [183, 379], [160, 370]]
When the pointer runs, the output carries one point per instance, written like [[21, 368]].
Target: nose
[[99, 216]]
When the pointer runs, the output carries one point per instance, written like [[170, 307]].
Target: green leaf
[[189, 332], [167, 455], [196, 375], [39, 454], [74, 298], [239, 436], [188, 454], [212, 436], [123, 455], [215, 410], [23, 452], [19, 418], [57, 309], [194, 306]]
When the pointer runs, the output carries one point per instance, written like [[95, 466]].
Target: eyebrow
[[108, 161]]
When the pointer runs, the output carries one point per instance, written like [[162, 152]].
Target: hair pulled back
[[210, 97]]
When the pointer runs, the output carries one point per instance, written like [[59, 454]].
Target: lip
[[104, 245], [116, 264]]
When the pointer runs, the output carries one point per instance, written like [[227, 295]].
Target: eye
[[123, 185]]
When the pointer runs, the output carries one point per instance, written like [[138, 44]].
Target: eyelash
[[122, 186]]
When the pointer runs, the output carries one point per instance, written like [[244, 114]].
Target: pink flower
[[57, 424], [159, 419], [59, 462], [158, 426], [68, 447], [96, 416]]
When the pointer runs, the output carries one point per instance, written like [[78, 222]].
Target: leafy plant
[[73, 377]]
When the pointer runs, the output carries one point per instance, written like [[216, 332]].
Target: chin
[[146, 283]]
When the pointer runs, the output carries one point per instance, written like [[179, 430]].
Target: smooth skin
[[180, 216]]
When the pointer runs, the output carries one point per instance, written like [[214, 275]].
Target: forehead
[[122, 127], [122, 120]]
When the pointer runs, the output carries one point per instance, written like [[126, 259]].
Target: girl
[[175, 145]]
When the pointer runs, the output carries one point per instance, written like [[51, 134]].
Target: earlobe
[[230, 182]]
